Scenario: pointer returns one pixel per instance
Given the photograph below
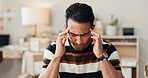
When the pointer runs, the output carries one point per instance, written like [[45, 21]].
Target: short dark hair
[[80, 13]]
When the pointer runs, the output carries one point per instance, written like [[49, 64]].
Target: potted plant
[[111, 29]]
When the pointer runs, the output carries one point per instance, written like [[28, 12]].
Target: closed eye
[[84, 35], [72, 34]]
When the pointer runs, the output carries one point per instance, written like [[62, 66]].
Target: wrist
[[57, 56], [103, 56], [99, 55]]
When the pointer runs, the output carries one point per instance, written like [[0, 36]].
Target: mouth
[[80, 46]]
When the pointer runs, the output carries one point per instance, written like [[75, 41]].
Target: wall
[[131, 13]]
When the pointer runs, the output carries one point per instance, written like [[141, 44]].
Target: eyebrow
[[80, 34]]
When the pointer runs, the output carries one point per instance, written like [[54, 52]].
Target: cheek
[[71, 39], [86, 39]]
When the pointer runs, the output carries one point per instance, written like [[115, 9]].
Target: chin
[[78, 49]]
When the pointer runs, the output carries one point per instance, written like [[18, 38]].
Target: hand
[[60, 43], [97, 49]]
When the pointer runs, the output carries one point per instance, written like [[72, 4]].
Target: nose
[[79, 40]]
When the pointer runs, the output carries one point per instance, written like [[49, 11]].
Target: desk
[[13, 51], [14, 55], [12, 60], [32, 63]]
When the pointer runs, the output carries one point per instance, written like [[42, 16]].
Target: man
[[79, 52]]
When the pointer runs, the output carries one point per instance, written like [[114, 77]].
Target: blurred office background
[[131, 14]]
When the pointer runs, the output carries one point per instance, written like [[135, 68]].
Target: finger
[[64, 32], [93, 38], [96, 39], [99, 36], [64, 40], [67, 29], [94, 33], [99, 39], [61, 37]]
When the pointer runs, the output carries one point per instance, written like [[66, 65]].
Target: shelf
[[128, 66], [127, 47], [120, 37], [124, 43]]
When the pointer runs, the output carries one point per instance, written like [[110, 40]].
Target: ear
[[93, 26], [65, 26]]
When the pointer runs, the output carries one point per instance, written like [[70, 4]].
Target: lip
[[78, 46]]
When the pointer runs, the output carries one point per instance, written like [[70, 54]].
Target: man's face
[[79, 34]]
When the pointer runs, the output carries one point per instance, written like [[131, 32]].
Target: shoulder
[[52, 46], [110, 49], [107, 46]]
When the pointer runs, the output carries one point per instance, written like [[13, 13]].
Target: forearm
[[52, 69], [108, 70]]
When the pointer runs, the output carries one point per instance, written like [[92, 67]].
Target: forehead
[[78, 27]]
